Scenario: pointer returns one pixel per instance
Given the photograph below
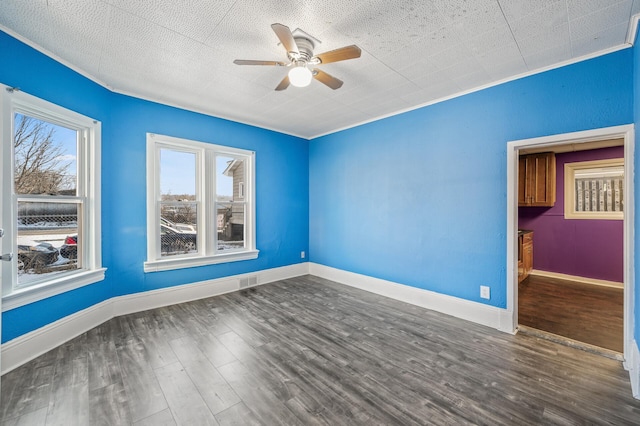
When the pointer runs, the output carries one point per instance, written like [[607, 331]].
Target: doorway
[[573, 225], [574, 141]]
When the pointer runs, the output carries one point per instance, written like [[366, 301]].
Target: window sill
[[189, 262], [25, 296], [595, 216]]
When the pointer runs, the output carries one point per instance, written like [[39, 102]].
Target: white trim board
[[634, 370], [593, 281], [479, 313], [633, 365], [35, 343]]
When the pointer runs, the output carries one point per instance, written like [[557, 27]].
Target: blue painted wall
[[282, 184], [420, 198]]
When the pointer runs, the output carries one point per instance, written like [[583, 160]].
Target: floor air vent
[[248, 281]]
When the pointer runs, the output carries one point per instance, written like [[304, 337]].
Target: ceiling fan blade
[[342, 54], [286, 38], [283, 84], [252, 62], [327, 79]]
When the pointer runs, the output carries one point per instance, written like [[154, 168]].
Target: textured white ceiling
[[181, 52]]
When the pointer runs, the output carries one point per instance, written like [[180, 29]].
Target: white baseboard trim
[[460, 308], [585, 280], [35, 343], [139, 302], [633, 365]]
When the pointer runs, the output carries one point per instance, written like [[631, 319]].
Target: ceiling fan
[[301, 57]]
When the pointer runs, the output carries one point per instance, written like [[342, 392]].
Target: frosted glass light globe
[[300, 76]]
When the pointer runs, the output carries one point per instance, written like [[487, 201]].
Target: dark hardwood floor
[[584, 312], [307, 351]]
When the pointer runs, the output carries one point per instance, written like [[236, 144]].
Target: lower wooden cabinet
[[525, 254]]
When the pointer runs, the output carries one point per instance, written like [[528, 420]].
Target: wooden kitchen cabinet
[[537, 180], [525, 254]]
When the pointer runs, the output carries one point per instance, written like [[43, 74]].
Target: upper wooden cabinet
[[537, 180]]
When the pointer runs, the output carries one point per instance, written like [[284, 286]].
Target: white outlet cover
[[485, 292]]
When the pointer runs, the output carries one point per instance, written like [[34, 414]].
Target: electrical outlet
[[302, 255], [485, 292]]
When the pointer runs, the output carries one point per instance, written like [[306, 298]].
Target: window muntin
[[594, 189], [51, 188], [200, 204]]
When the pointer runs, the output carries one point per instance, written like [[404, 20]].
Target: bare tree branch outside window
[[39, 164]]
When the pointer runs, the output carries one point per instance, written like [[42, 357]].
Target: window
[[594, 189], [200, 204], [50, 193]]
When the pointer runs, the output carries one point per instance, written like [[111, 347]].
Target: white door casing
[[626, 132]]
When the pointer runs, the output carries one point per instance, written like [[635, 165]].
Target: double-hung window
[[50, 199], [200, 204]]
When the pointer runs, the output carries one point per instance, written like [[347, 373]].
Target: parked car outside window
[[173, 241], [35, 255], [69, 249]]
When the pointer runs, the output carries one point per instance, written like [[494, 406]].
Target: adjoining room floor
[[584, 312], [309, 351]]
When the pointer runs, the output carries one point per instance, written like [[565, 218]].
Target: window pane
[[230, 219], [230, 187], [47, 240], [599, 194], [178, 228], [177, 175], [45, 157], [178, 207], [229, 179], [594, 189]]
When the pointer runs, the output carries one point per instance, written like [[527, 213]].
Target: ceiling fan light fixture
[[300, 76], [299, 49]]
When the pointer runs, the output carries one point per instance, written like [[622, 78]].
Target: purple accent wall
[[585, 248]]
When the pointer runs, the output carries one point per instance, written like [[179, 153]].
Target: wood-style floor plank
[[26, 390], [109, 406], [37, 417], [260, 399], [186, 404], [584, 312], [216, 352], [215, 391], [163, 418], [238, 415], [69, 400], [309, 351], [144, 395]]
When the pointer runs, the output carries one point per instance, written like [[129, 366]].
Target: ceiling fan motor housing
[[305, 49], [299, 46]]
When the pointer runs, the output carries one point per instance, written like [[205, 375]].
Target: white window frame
[[570, 170], [206, 253], [88, 173]]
